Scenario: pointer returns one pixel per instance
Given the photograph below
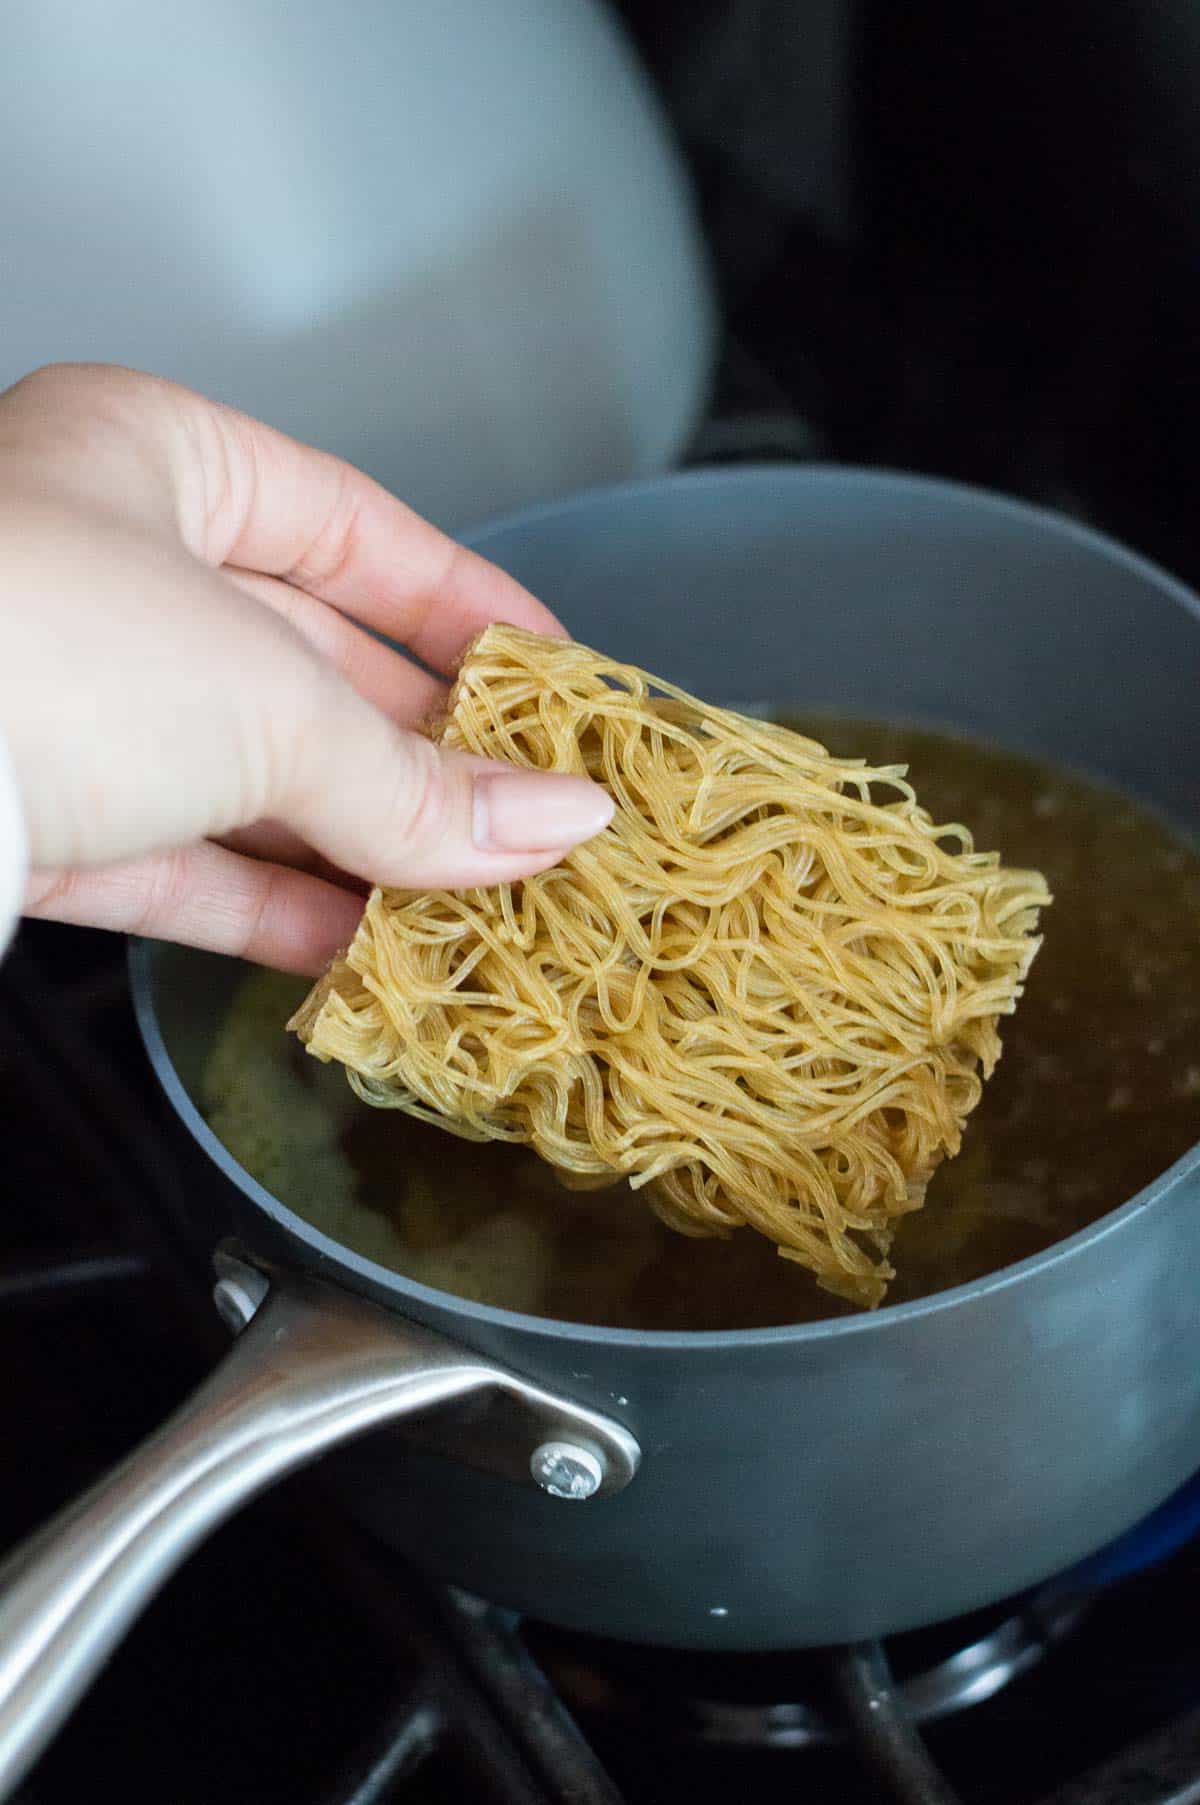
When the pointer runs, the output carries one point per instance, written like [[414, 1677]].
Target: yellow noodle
[[768, 993]]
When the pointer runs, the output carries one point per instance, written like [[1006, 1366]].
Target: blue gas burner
[[1163, 1533]]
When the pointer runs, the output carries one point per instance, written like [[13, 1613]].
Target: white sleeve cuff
[[14, 848]]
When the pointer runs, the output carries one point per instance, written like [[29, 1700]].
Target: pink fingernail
[[533, 811]]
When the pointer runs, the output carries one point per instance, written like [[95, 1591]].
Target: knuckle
[[331, 551], [47, 379], [165, 894], [215, 479], [286, 754], [81, 383], [99, 428], [421, 803], [255, 936], [51, 894]]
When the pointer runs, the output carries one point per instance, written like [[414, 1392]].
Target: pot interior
[[832, 592]]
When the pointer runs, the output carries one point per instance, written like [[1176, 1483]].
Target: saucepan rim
[[368, 1275]]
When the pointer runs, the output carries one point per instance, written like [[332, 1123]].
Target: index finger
[[273, 505], [302, 515]]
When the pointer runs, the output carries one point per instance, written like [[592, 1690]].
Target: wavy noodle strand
[[768, 993]]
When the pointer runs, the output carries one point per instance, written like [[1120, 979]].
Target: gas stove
[[868, 319], [293, 1659]]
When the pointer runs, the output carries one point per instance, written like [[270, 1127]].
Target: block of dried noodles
[[768, 992]]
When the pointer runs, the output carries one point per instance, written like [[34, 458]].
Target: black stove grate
[[883, 1734]]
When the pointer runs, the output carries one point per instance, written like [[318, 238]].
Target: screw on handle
[[565, 1470]]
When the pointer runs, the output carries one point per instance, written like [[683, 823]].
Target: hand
[[208, 745]]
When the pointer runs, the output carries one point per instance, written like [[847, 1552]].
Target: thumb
[[392, 807]]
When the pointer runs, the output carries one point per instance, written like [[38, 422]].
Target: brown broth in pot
[[1098, 1091]]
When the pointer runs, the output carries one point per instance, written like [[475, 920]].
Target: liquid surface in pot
[[1098, 1091]]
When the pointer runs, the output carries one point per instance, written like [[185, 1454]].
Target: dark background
[[963, 239]]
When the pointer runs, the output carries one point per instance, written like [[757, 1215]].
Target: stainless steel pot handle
[[315, 1367]]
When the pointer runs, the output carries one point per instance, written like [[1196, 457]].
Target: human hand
[[208, 745]]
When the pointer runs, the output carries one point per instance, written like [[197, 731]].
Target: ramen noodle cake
[[768, 993]]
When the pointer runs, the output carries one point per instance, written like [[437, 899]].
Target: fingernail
[[535, 811]]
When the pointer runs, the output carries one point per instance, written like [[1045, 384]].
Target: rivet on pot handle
[[313, 1367]]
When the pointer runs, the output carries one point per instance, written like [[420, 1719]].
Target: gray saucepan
[[759, 1489]]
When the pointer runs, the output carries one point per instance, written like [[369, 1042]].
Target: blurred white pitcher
[[452, 243]]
